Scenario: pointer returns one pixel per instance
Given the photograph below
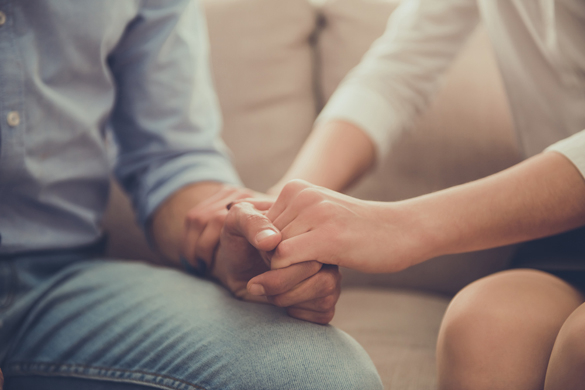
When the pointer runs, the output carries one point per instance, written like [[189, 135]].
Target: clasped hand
[[237, 243]]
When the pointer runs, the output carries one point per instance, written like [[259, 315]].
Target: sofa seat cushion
[[398, 329]]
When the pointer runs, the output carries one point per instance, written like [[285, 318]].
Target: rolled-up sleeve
[[166, 118], [395, 79], [574, 149]]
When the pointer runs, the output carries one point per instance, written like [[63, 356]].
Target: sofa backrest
[[275, 63]]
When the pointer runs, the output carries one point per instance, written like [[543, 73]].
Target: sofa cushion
[[347, 30], [263, 71], [465, 134], [399, 331]]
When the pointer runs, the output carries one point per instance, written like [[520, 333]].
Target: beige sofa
[[275, 63]]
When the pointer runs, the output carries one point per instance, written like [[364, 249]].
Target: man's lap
[[135, 323]]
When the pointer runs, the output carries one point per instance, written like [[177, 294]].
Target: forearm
[[335, 154], [541, 196], [168, 223]]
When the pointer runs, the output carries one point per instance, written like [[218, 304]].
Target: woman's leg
[[566, 369], [498, 332]]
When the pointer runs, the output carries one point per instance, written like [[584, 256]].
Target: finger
[[259, 204], [286, 196], [311, 316], [225, 193], [197, 219], [277, 282], [209, 238], [292, 225], [321, 305], [298, 249], [218, 201], [244, 220], [189, 245], [318, 293], [308, 202]]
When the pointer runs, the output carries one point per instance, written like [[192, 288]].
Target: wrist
[[417, 231]]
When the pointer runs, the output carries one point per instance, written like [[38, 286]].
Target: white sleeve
[[396, 77], [574, 149]]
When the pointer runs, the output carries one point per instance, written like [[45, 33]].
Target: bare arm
[[335, 154], [541, 196]]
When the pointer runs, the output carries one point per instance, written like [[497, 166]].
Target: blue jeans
[[72, 322]]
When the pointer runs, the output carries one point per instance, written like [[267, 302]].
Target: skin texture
[[335, 154], [539, 197], [498, 333], [518, 329], [195, 223]]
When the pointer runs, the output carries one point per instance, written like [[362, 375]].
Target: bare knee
[[567, 363], [572, 334], [492, 321]]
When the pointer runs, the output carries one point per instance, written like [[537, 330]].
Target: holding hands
[[234, 246], [323, 225]]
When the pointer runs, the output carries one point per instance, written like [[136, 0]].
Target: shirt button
[[2, 18], [13, 118]]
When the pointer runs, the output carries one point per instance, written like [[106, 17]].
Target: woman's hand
[[332, 228], [309, 291]]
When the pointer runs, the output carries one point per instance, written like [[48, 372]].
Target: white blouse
[[540, 47]]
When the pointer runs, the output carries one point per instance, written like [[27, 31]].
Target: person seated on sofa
[[517, 329], [69, 72]]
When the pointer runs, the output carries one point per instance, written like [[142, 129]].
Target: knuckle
[[329, 285], [327, 303], [295, 186], [283, 250], [245, 193], [327, 317], [327, 209], [309, 196], [278, 300], [194, 218], [218, 218], [252, 219], [313, 266]]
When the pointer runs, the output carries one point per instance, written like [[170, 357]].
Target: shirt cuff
[[367, 110], [574, 149], [179, 172]]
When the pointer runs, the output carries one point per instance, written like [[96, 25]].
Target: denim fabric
[[122, 322]]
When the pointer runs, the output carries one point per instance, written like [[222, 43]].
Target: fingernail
[[256, 289], [264, 234]]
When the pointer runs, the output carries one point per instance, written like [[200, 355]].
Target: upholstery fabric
[[262, 63], [398, 329]]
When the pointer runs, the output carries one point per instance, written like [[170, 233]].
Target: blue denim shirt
[[72, 72]]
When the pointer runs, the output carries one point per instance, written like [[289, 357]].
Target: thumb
[[246, 221], [261, 204]]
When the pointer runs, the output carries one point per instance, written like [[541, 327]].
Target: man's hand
[[203, 225], [308, 290]]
